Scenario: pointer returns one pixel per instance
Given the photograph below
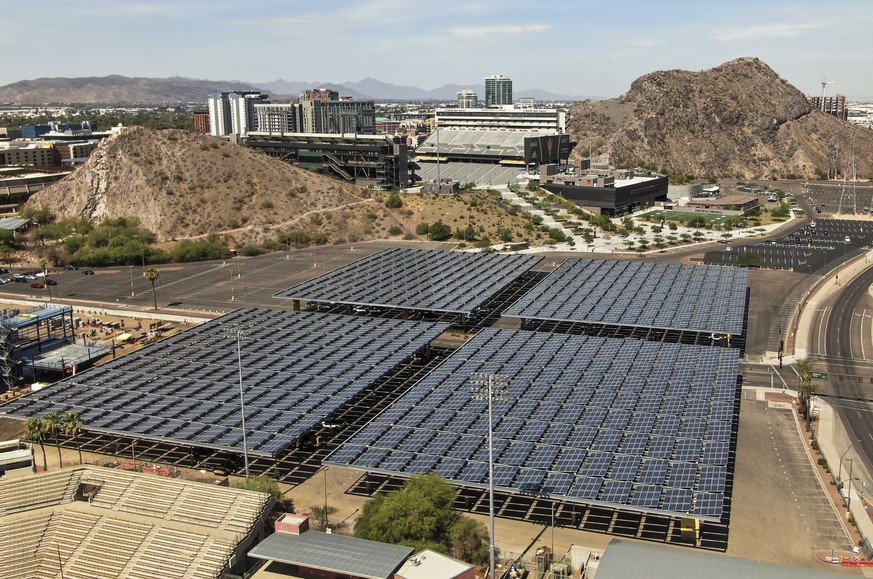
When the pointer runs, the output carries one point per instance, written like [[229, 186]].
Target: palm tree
[[72, 425], [807, 386], [34, 431], [152, 275], [53, 428]]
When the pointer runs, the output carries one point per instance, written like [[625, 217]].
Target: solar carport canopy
[[444, 281], [297, 369], [629, 424], [628, 293]]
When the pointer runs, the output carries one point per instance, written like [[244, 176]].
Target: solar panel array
[[417, 279], [297, 369], [629, 293], [642, 425]]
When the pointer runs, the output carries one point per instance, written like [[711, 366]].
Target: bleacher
[[136, 525]]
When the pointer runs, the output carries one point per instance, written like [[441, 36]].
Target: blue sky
[[576, 47]]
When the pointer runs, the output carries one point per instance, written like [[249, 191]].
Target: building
[[338, 117], [295, 551], [319, 94], [604, 191], [17, 184], [201, 121], [278, 118], [503, 118], [233, 113], [498, 90], [365, 160], [832, 105], [468, 99], [75, 152], [732, 204], [39, 154]]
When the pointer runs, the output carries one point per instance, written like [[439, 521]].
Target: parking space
[[840, 198], [814, 248]]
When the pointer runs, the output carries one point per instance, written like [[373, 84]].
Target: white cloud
[[499, 29], [761, 32]]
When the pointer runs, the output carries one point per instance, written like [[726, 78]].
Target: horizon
[[589, 49]]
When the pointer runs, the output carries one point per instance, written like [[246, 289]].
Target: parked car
[[88, 272], [50, 282], [37, 285], [69, 267]]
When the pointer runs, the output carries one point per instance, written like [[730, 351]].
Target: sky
[[572, 47]]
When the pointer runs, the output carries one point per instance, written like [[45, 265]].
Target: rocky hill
[[114, 89], [737, 120], [184, 185]]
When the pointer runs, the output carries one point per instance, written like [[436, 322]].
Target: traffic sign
[[819, 375]]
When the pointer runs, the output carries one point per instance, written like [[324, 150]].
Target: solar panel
[[577, 443], [186, 388], [417, 279], [631, 293]]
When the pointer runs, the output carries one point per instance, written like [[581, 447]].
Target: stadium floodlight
[[240, 334], [491, 387]]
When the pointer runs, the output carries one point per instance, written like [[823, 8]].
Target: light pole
[[840, 471], [849, 490], [239, 335], [495, 385]]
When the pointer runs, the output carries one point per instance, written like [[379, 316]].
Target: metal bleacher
[[135, 525]]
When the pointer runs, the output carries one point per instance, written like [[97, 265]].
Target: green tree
[[152, 275], [321, 515], [394, 201], [807, 386], [470, 541], [419, 515], [422, 228], [72, 426], [53, 427], [34, 431], [748, 259], [266, 484], [440, 231]]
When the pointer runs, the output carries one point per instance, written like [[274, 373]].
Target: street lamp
[[491, 386], [840, 471], [239, 335], [849, 490]]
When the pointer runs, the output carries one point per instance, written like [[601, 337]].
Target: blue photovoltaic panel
[[446, 281], [186, 388], [631, 293], [556, 430]]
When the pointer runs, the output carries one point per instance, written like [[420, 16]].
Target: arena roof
[[297, 369], [347, 556], [629, 293], [440, 281], [629, 424]]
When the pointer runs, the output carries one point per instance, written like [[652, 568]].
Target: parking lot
[[806, 249], [839, 198]]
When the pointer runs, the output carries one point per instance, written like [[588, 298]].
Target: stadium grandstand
[[93, 523], [487, 157]]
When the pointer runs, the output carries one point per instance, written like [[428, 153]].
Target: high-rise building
[[338, 117], [468, 99], [278, 118], [498, 90], [832, 105], [233, 113]]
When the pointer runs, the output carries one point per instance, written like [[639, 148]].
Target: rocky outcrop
[[738, 120]]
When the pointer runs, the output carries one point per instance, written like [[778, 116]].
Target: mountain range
[[116, 89]]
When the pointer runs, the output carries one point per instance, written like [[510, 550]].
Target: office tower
[[498, 90]]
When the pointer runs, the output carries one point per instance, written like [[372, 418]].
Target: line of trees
[[42, 430]]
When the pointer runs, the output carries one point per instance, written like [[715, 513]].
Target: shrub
[[394, 201]]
